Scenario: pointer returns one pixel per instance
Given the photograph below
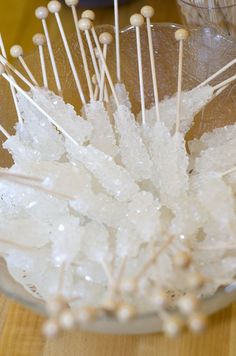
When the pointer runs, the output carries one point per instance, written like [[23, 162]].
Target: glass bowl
[[204, 53]]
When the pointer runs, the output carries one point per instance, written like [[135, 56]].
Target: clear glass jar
[[204, 53], [220, 14]]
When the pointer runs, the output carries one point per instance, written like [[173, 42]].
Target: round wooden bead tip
[[137, 20], [197, 322], [56, 305], [54, 6], [88, 14], [182, 259], [66, 320], [71, 2], [105, 38], [188, 304], [129, 285], [41, 13], [39, 39], [125, 312], [173, 326], [160, 299], [181, 34], [110, 305], [85, 24], [2, 69], [85, 314], [51, 328], [16, 51], [147, 11], [94, 79], [196, 280]]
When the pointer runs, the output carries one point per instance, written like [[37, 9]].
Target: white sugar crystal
[[217, 201], [114, 178], [100, 208], [103, 136], [122, 96], [24, 230], [66, 237], [95, 241], [141, 224], [17, 199], [134, 154], [64, 114], [170, 165], [219, 158], [35, 140], [217, 137], [191, 103]]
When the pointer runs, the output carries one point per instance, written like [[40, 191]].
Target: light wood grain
[[20, 328]]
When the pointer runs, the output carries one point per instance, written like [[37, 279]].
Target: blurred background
[[18, 23]]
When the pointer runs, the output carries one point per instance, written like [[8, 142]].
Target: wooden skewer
[[4, 132], [73, 4], [105, 39], [42, 13], [137, 21], [17, 52], [148, 13], [15, 71], [86, 19], [13, 92], [39, 40], [215, 75], [50, 119], [225, 82], [117, 38], [105, 66], [180, 35], [153, 260], [54, 7], [96, 90], [229, 171]]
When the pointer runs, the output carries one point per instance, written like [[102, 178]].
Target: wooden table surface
[[20, 329]]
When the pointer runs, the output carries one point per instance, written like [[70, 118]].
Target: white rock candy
[[219, 158], [35, 140], [20, 200], [170, 165], [95, 241], [192, 102], [33, 232], [215, 138], [64, 114], [122, 96], [217, 203], [66, 238], [110, 204], [141, 224], [114, 178], [103, 136], [76, 183], [133, 152]]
